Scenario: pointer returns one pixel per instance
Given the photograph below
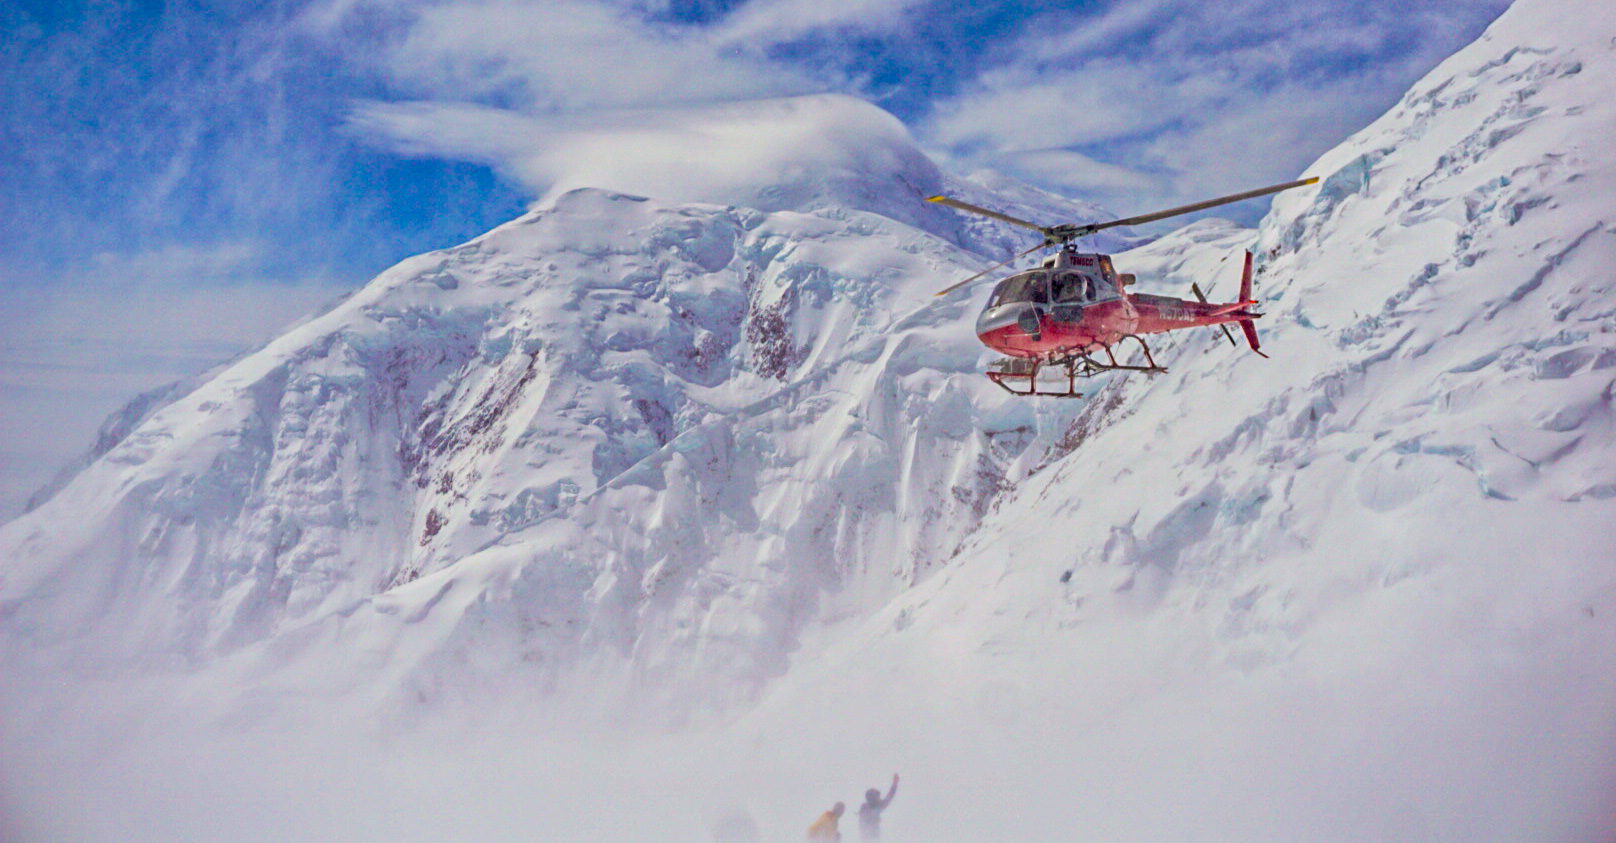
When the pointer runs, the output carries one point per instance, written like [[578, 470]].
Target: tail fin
[[1248, 325], [1245, 279]]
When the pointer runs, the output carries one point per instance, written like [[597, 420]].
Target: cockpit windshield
[[1026, 287]]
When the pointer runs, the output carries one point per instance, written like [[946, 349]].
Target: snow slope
[[668, 459], [1363, 590]]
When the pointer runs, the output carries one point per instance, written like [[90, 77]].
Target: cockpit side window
[[1074, 287]]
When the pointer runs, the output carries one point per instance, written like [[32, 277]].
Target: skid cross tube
[[1151, 367]]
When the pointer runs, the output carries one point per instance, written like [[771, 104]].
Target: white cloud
[[1254, 142], [1135, 103], [1017, 108], [784, 152], [463, 131], [176, 263], [568, 56], [1095, 31]]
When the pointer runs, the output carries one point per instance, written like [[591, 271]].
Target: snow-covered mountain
[[668, 434], [673, 458]]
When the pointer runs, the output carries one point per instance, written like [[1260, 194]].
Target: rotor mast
[[1060, 235]]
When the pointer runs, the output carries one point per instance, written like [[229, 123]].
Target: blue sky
[[228, 165]]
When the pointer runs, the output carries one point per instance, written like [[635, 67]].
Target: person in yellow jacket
[[825, 829]]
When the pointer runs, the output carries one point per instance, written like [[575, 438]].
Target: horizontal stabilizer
[[1251, 335], [1226, 309]]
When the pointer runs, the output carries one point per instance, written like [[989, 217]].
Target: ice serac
[[661, 438], [1337, 594]]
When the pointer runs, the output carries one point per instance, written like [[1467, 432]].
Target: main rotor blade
[[978, 209], [1198, 206], [947, 290]]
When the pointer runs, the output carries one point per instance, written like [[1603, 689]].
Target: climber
[[824, 829], [870, 811]]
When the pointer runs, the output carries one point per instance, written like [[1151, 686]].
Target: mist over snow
[[678, 508]]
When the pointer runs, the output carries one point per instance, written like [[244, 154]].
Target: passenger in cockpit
[[1073, 287]]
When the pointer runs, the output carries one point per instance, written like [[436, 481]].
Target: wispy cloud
[[1196, 99], [1130, 103], [129, 129], [571, 55], [74, 352], [777, 21], [1066, 167]]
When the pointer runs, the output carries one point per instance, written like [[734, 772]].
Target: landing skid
[[1024, 370]]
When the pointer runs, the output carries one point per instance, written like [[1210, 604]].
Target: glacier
[[698, 501]]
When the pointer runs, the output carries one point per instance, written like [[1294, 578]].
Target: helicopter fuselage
[[1072, 313], [1076, 303]]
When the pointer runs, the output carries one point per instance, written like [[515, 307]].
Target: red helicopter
[[1076, 306]]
